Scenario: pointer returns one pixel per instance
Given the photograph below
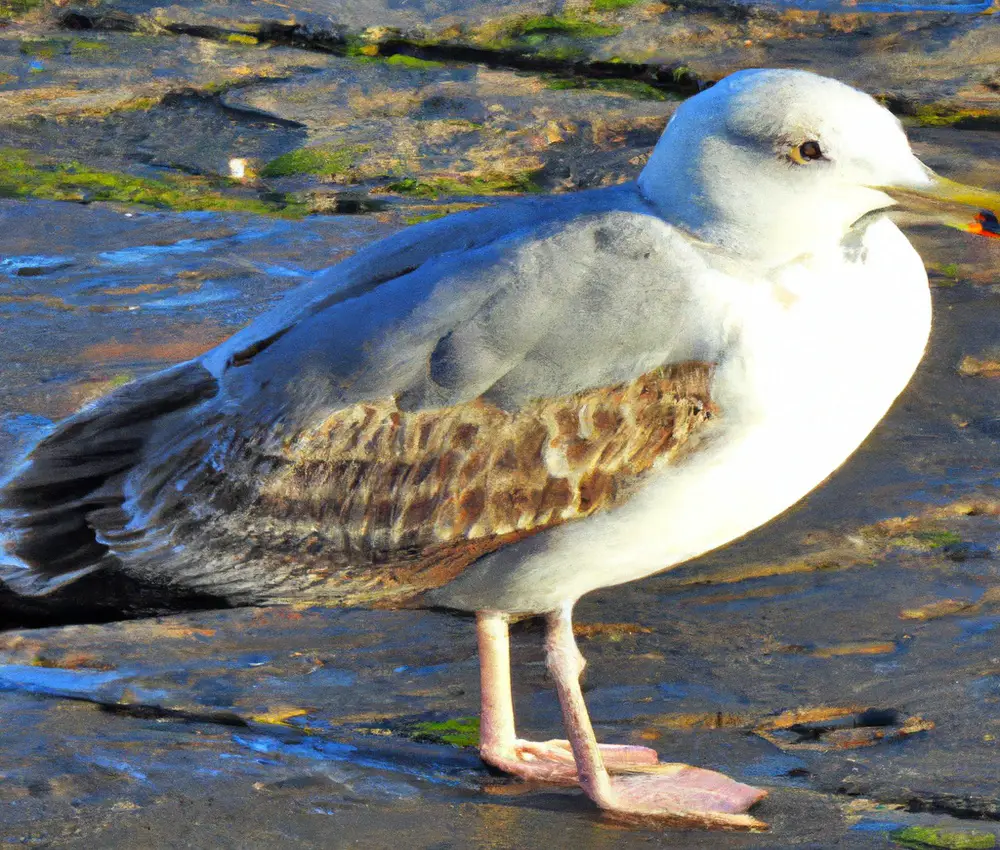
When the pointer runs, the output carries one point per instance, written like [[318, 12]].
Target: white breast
[[814, 360]]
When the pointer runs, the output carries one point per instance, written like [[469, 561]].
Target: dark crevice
[[144, 711], [679, 80], [245, 114], [963, 809], [110, 20], [157, 712], [244, 356]]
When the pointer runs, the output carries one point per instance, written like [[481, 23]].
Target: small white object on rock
[[238, 168]]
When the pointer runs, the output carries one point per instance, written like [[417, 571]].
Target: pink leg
[[674, 794], [544, 761]]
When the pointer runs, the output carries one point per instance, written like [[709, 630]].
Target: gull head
[[773, 165]]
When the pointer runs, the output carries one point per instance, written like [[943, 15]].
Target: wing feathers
[[69, 486]]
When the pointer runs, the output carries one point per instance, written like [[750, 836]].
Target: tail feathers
[[69, 488]]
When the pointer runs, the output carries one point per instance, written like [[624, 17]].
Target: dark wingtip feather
[[54, 507]]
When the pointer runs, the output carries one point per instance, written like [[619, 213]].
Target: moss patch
[[82, 45], [43, 48], [937, 539], [491, 184], [536, 31], [948, 115], [632, 88], [420, 218], [412, 63], [16, 8], [25, 175], [240, 38], [326, 161], [361, 49], [612, 5], [456, 731], [563, 25], [923, 541], [559, 52], [923, 837], [138, 104], [439, 212]]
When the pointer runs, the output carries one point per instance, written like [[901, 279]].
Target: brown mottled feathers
[[375, 505]]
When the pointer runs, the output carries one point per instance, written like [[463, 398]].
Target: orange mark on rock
[[854, 648], [932, 611], [279, 715], [609, 630], [783, 730], [50, 301], [178, 630], [946, 607], [704, 720], [836, 559], [758, 593], [188, 343], [807, 715], [272, 615], [76, 661], [140, 289], [975, 367]]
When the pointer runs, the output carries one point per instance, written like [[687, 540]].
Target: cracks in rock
[[157, 712], [241, 113], [958, 807], [337, 40], [678, 80]]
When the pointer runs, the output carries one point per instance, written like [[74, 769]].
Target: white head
[[774, 164]]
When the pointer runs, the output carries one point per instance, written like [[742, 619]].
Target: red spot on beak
[[985, 224]]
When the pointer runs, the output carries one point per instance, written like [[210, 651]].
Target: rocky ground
[[169, 171]]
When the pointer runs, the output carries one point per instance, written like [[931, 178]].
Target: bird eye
[[807, 152]]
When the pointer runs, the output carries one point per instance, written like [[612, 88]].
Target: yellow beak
[[951, 203]]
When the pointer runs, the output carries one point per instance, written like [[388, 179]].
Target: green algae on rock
[[562, 25], [616, 85], [953, 115], [613, 5], [491, 184], [26, 175], [926, 837], [937, 539], [456, 731], [321, 160], [412, 63], [242, 38], [10, 9], [534, 31], [438, 212]]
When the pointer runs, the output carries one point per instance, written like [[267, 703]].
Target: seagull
[[505, 409]]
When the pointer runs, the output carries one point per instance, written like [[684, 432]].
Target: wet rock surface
[[171, 171]]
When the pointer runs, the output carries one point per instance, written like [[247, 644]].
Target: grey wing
[[510, 315]]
